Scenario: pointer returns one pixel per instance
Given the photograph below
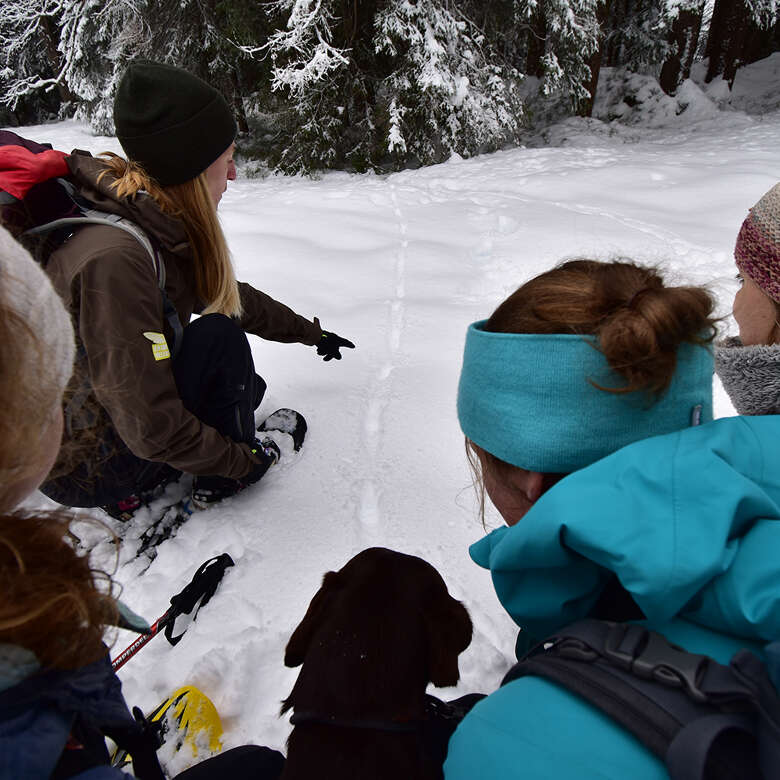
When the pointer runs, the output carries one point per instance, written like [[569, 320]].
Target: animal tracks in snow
[[369, 502]]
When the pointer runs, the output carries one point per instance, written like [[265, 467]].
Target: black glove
[[267, 453], [140, 741], [330, 344]]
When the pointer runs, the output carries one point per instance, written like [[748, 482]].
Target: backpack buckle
[[576, 649], [651, 656]]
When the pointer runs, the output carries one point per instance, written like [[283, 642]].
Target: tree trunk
[[615, 21], [760, 42], [585, 107], [238, 101], [50, 38], [726, 40], [537, 38], [683, 41]]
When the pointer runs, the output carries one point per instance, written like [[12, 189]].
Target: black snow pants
[[216, 379]]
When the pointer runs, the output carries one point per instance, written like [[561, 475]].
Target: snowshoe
[[287, 421], [164, 528], [186, 717], [210, 490], [125, 510]]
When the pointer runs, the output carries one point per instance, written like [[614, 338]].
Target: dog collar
[[316, 719]]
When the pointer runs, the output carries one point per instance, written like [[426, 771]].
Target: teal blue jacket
[[690, 524]]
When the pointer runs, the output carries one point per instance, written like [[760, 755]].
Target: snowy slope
[[401, 264]]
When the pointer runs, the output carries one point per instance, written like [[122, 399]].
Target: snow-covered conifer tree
[[635, 33], [565, 37], [312, 71], [97, 39], [29, 56], [82, 47], [447, 91], [396, 83], [684, 21], [74, 46]]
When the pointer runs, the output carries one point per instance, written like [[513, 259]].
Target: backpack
[[702, 718], [40, 207]]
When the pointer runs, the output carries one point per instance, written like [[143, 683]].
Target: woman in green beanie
[[152, 395], [586, 400]]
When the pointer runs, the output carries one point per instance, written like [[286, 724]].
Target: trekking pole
[[186, 604], [132, 649]]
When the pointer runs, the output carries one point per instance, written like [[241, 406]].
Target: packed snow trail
[[401, 264]]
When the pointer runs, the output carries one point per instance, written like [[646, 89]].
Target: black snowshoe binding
[[208, 489], [286, 421]]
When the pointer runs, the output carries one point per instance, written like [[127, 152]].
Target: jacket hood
[[141, 209], [750, 375], [16, 664], [689, 522]]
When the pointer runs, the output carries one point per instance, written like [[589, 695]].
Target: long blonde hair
[[190, 202]]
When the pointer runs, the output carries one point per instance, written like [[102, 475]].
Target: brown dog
[[374, 635]]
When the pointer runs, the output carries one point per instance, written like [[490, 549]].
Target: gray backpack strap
[[159, 268], [137, 233], [96, 217]]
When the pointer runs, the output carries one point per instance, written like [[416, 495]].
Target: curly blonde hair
[[51, 601]]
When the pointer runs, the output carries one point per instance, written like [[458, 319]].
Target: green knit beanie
[[171, 122]]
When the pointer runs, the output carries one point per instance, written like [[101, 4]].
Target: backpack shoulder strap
[[89, 215], [703, 719], [95, 217]]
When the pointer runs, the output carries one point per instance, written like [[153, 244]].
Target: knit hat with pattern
[[757, 251], [170, 121]]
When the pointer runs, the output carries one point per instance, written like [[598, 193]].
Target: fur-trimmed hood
[[750, 375]]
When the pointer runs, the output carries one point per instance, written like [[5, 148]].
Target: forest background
[[377, 85]]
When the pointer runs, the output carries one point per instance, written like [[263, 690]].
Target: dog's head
[[384, 616]]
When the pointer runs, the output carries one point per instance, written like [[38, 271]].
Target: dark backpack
[[45, 209], [703, 719]]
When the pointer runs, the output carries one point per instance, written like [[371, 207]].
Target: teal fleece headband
[[526, 398]]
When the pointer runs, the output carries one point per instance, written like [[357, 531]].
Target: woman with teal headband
[[586, 400]]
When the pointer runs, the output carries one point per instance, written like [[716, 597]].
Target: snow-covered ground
[[401, 264]]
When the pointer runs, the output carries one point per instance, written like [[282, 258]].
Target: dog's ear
[[448, 628], [295, 652]]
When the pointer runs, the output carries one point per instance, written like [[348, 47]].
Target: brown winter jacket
[[109, 282]]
